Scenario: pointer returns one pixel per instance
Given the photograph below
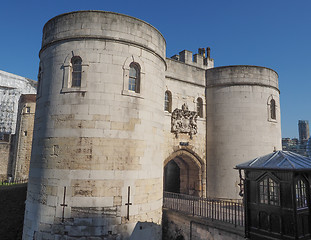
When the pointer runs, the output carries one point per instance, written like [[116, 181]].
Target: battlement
[[201, 59]]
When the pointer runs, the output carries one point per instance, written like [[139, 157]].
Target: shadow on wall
[[146, 230], [12, 210]]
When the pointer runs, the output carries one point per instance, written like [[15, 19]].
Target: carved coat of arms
[[184, 121]]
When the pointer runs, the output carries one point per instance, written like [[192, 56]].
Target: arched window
[[200, 107], [269, 191], [168, 101], [76, 63], [134, 77], [272, 109], [301, 194]]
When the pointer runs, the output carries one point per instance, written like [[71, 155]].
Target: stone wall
[[104, 145], [186, 84], [100, 138], [23, 137], [4, 159], [181, 226]]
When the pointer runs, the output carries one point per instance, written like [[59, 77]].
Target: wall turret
[[243, 122], [96, 169]]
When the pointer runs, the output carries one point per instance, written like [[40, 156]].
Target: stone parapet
[[100, 25], [241, 75]]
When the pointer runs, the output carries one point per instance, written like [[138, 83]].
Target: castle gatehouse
[[117, 123]]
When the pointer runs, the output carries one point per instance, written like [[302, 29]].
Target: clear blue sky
[[270, 33]]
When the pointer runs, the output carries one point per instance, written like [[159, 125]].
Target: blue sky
[[270, 33]]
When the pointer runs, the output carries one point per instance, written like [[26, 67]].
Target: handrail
[[215, 209], [9, 183]]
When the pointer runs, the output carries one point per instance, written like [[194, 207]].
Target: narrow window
[[55, 150], [27, 109], [301, 194], [76, 63], [39, 82], [200, 107], [168, 101], [269, 191], [272, 109], [134, 77], [25, 133]]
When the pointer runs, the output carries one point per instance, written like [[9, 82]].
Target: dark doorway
[[172, 177]]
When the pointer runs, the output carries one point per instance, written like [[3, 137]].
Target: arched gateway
[[184, 173]]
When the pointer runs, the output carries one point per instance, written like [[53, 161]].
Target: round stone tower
[[96, 165], [243, 122]]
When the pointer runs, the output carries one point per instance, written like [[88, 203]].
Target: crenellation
[[185, 56], [201, 60]]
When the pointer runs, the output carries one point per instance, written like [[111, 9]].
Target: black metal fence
[[12, 182], [215, 209]]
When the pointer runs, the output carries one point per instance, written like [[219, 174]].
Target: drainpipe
[[206, 158], [190, 237]]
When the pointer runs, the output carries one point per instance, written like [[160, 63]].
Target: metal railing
[[215, 209], [12, 182]]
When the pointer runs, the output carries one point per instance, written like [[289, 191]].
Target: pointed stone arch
[[191, 173]]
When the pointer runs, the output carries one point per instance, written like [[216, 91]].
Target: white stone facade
[[104, 144], [11, 88], [239, 125]]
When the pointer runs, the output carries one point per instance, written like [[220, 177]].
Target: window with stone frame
[[301, 194], [134, 77], [76, 71], [168, 101], [272, 109], [269, 191], [200, 107]]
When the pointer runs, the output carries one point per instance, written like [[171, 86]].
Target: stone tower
[[96, 165], [243, 122], [23, 137]]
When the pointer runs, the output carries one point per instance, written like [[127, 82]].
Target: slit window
[[168, 101], [39, 81], [200, 107]]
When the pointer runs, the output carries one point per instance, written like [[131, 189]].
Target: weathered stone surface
[[238, 126], [102, 151], [4, 159], [94, 142], [24, 132]]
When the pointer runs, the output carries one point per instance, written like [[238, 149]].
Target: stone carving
[[184, 121]]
